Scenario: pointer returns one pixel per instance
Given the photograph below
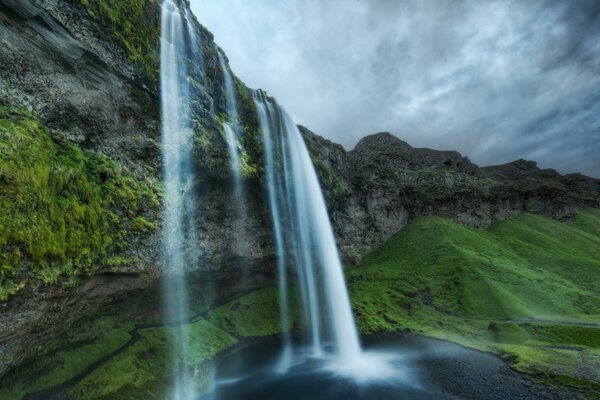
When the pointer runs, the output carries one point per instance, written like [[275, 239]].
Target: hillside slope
[[525, 287]]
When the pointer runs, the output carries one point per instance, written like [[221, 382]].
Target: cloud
[[496, 80]]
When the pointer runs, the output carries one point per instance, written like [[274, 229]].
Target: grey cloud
[[496, 80]]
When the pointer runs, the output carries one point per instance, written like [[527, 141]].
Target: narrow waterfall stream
[[298, 205], [178, 229], [232, 131]]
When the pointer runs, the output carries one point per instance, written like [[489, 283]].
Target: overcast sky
[[495, 80]]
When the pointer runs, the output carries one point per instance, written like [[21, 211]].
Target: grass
[[253, 315], [65, 212], [142, 371], [518, 288], [62, 366]]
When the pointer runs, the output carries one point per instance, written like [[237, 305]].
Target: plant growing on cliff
[[133, 25], [65, 212]]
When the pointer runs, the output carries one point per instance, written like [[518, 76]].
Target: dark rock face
[[76, 82], [389, 182]]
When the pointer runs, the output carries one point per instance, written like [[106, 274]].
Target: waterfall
[[231, 128], [179, 231], [305, 237], [274, 187]]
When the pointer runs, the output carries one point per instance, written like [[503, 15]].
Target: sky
[[496, 80]]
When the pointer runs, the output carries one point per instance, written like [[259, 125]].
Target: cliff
[[375, 189], [80, 177]]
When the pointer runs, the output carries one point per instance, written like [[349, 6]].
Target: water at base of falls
[[252, 374], [420, 369]]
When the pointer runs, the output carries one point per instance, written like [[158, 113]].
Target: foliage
[[133, 26], [65, 212], [59, 367], [142, 370], [256, 314]]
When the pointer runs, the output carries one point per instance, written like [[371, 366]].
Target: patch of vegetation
[[65, 212], [62, 366], [519, 288], [330, 178], [143, 370], [251, 139], [134, 26], [253, 315]]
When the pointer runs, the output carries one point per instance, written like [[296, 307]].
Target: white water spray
[[179, 231], [303, 229]]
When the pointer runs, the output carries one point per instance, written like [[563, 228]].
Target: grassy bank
[[525, 289]]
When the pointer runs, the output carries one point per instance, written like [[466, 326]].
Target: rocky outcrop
[[387, 183]]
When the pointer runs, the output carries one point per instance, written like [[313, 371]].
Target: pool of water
[[411, 368]]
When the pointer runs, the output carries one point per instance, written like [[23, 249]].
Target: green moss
[[256, 314], [65, 212], [251, 139], [142, 371], [60, 367], [334, 184], [134, 26], [506, 332], [142, 225]]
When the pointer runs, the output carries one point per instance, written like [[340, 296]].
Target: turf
[[526, 288]]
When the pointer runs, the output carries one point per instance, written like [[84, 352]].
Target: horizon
[[477, 78]]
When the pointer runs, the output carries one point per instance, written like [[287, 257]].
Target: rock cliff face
[[79, 85], [84, 74], [385, 183]]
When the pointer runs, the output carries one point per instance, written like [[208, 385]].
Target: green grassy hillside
[[526, 288]]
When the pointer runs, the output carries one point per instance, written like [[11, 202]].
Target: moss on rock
[[65, 212], [135, 24]]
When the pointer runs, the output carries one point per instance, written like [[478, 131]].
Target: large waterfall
[[305, 237], [179, 231]]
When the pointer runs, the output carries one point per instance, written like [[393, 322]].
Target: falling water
[[298, 205], [178, 228], [232, 126], [274, 187]]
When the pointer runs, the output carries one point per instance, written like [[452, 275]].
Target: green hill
[[526, 288]]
